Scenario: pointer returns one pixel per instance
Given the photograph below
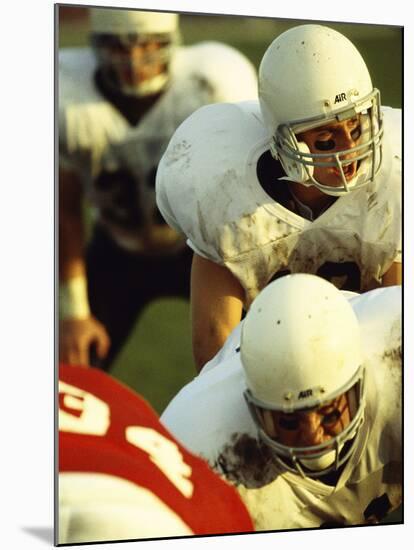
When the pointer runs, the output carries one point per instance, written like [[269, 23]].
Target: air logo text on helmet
[[340, 97], [305, 393]]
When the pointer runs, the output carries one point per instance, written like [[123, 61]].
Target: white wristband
[[73, 299]]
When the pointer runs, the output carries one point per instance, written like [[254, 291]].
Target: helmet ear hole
[[296, 170]]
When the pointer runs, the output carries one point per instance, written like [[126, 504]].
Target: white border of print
[[27, 259]]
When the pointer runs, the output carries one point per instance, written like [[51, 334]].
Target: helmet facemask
[[299, 163], [312, 460], [133, 75]]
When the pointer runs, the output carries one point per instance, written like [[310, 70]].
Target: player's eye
[[288, 422], [331, 417], [324, 144]]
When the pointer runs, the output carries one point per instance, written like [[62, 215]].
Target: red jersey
[[106, 428]]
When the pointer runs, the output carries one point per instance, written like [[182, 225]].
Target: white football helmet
[[310, 76], [300, 349], [113, 30]]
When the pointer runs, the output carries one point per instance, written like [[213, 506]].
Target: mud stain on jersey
[[246, 461], [372, 201], [227, 183], [180, 152], [393, 357]]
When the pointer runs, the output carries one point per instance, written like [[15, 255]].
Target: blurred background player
[[123, 476], [119, 103], [307, 179], [304, 406]]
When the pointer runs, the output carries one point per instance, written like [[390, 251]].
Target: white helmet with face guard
[[115, 31], [301, 351], [311, 76]]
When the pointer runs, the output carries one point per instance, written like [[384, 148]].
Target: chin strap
[[307, 183], [355, 183]]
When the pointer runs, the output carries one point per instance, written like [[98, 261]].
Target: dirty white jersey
[[210, 417], [116, 160], [208, 188]]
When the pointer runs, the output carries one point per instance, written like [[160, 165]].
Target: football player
[[123, 476], [302, 408], [307, 179], [119, 103]]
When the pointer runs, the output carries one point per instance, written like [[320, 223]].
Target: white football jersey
[[210, 417], [117, 160], [208, 188]]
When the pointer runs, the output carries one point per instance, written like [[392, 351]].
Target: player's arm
[[216, 307], [393, 276], [78, 329]]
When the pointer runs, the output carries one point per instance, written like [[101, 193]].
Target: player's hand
[[76, 338]]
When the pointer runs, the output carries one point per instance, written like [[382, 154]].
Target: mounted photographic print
[[229, 289]]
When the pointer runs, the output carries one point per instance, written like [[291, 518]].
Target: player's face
[[308, 428], [137, 61], [334, 137]]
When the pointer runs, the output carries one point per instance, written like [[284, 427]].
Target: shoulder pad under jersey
[[76, 70], [226, 72], [379, 313], [216, 394], [393, 128], [203, 169]]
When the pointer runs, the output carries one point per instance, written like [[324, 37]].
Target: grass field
[[157, 358]]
